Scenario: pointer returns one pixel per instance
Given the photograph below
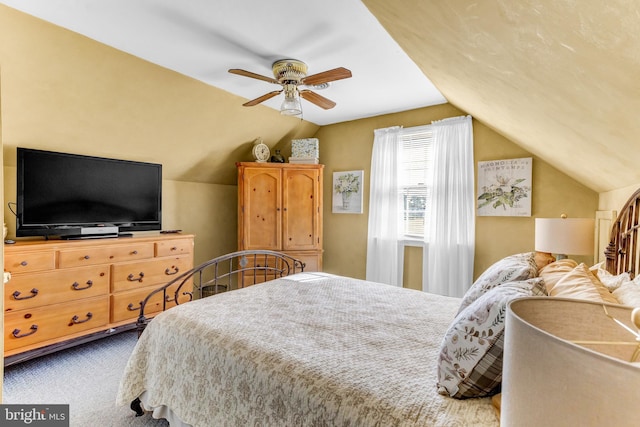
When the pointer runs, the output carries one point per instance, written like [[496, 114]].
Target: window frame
[[413, 139]]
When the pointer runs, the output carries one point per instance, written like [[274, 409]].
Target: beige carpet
[[85, 377]]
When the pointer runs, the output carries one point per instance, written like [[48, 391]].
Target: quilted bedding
[[308, 350]]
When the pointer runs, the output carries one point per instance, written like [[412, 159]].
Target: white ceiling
[[203, 39]]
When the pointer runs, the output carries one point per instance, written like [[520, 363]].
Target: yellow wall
[[347, 146]]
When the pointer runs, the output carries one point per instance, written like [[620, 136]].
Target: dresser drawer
[[312, 260], [27, 327], [102, 255], [27, 291], [174, 247], [25, 262], [126, 305], [135, 275]]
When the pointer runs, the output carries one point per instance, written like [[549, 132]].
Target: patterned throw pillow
[[510, 269], [470, 360]]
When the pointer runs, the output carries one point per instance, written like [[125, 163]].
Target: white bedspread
[[308, 350]]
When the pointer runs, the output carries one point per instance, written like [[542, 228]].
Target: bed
[[305, 348]]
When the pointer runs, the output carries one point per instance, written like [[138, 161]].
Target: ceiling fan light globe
[[291, 106], [291, 112]]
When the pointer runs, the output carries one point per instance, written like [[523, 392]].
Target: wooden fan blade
[[327, 76], [261, 98], [319, 100], [253, 75]]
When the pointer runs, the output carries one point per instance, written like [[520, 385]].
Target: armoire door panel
[[262, 209], [300, 209]]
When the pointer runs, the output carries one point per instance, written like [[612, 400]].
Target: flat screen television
[[78, 196]]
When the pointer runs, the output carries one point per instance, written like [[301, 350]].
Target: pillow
[[470, 360], [543, 259], [628, 293], [510, 269], [555, 271], [581, 283], [610, 281]]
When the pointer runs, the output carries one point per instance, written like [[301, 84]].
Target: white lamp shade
[[568, 236], [567, 364]]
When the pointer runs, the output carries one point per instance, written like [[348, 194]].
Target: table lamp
[[564, 236]]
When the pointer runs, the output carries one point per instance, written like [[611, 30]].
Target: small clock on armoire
[[260, 151]]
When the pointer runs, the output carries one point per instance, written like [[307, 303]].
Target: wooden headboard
[[622, 252]]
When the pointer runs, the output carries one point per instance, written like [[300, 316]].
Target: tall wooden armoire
[[280, 208]]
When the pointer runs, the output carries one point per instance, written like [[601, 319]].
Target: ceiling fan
[[291, 74]]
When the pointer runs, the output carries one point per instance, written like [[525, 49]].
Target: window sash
[[414, 180]]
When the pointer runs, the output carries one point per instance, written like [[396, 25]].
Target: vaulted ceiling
[[558, 77], [203, 39]]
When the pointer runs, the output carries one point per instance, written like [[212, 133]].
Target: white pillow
[[555, 271], [628, 293], [581, 283], [611, 281]]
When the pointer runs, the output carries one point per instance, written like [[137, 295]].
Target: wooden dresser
[[280, 208], [63, 292]]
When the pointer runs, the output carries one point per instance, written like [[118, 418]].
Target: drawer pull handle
[[134, 252], [133, 278], [16, 332], [17, 297], [24, 263], [76, 285], [75, 320], [174, 248], [86, 257], [131, 307], [171, 271], [169, 299]]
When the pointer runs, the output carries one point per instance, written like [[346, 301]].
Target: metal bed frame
[[622, 253], [221, 274]]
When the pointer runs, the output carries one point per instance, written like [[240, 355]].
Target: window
[[414, 181]]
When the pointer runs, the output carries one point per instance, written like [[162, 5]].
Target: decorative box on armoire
[[280, 209]]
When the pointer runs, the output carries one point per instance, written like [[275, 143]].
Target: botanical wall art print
[[347, 192], [504, 187]]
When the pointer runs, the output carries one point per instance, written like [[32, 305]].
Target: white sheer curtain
[[451, 235], [382, 239]]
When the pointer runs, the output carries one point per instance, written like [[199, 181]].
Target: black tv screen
[[59, 194]]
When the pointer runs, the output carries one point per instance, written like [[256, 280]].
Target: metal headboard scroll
[[622, 252]]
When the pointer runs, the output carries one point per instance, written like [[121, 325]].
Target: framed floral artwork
[[504, 187], [347, 192]]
